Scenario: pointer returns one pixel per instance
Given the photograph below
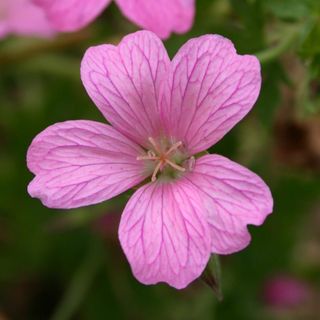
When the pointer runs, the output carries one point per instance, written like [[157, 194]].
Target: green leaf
[[289, 9]]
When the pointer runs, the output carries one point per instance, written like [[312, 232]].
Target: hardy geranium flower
[[163, 114], [286, 292], [24, 18], [159, 16]]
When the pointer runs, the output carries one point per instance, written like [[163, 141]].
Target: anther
[[151, 153], [191, 163]]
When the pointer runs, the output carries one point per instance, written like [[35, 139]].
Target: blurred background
[[57, 264]]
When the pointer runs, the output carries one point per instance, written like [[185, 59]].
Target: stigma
[[163, 156]]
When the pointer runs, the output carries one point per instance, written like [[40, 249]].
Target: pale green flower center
[[165, 158]]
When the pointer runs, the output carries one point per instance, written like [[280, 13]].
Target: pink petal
[[125, 83], [211, 88], [234, 197], [3, 29], [72, 15], [4, 15], [164, 234], [78, 163], [24, 18], [160, 16]]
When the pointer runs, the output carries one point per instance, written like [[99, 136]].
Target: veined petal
[[211, 89], [160, 16], [234, 197], [79, 163], [71, 15], [164, 234], [125, 83]]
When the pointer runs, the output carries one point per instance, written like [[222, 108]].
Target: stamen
[[161, 157], [174, 147], [147, 158], [156, 170], [154, 144], [191, 163], [151, 156], [174, 165]]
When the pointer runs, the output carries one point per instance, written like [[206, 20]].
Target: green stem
[[57, 65], [79, 285], [10, 56], [271, 54]]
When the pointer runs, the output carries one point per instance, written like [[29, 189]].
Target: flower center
[[164, 156]]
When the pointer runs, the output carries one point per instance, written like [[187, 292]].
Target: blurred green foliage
[[56, 263]]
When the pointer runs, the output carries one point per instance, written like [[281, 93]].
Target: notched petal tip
[[212, 89], [234, 198], [35, 190], [125, 81]]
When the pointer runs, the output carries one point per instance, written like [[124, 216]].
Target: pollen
[[162, 156]]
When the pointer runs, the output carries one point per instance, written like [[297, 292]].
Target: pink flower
[[284, 291], [24, 18], [159, 16], [163, 115]]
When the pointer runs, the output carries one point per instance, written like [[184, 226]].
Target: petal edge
[[211, 88], [234, 197], [164, 234], [79, 163]]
